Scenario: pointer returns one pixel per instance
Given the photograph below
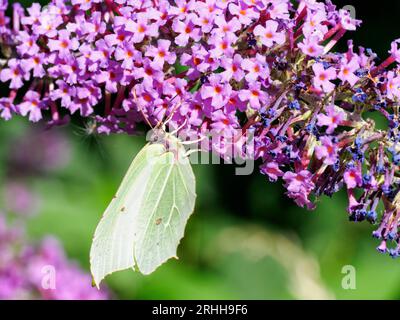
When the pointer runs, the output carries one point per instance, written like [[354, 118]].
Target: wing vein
[[158, 200]]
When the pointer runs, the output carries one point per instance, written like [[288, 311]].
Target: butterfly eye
[[157, 136]]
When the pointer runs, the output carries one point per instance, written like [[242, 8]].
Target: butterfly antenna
[[194, 141], [187, 154], [164, 123], [179, 128], [140, 109]]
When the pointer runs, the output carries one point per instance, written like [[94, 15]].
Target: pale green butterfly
[[146, 220]]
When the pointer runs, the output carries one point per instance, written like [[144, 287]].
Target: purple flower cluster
[[35, 271], [26, 271], [263, 66], [48, 151]]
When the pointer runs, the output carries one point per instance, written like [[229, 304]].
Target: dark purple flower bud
[[361, 73], [383, 247], [360, 96], [380, 169], [203, 79], [394, 253], [312, 129], [281, 138], [372, 216], [377, 234], [326, 65], [393, 235], [366, 179], [336, 166], [358, 216], [396, 159], [294, 105]]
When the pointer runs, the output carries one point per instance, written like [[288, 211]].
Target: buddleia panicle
[[262, 66]]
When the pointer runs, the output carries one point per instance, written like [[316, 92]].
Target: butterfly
[[145, 221]]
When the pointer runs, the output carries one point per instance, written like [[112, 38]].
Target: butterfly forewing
[[163, 217]]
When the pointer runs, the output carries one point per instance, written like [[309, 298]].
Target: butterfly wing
[[145, 222], [168, 205], [113, 243]]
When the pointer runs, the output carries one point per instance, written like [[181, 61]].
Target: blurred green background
[[246, 240]]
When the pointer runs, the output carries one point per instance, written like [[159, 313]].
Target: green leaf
[[146, 220]]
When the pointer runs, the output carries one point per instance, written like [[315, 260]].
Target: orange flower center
[[64, 44]]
